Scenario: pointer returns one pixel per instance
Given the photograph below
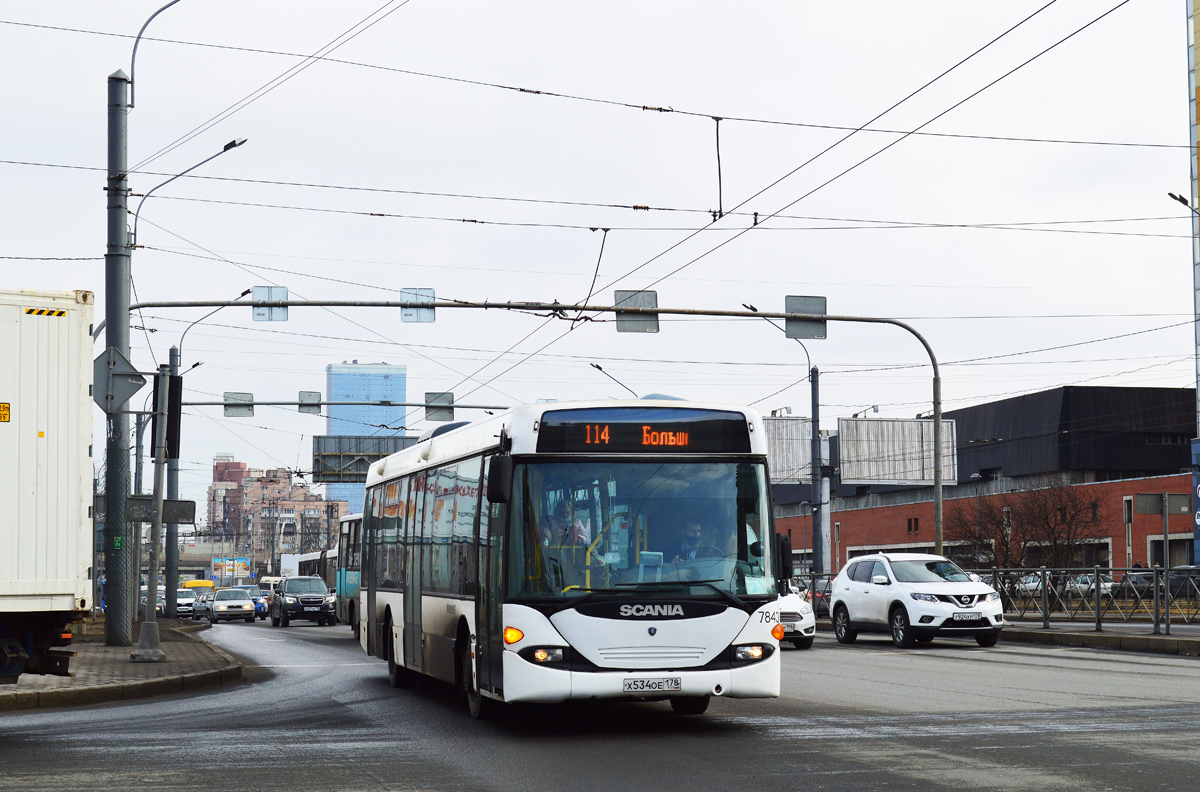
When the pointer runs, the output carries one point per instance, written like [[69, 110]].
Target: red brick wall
[[887, 527]]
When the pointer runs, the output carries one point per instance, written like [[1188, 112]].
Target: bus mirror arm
[[499, 478], [783, 560]]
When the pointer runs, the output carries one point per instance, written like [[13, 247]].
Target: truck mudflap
[[51, 662], [12, 661]]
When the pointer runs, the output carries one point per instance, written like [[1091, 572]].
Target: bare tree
[[1046, 522]]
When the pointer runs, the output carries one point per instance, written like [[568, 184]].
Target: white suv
[[914, 596]]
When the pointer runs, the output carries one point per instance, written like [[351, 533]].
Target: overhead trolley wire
[[642, 107], [353, 32]]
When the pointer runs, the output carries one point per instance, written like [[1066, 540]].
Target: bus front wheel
[[689, 705], [480, 707]]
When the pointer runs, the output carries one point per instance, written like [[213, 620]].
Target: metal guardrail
[[1085, 594]]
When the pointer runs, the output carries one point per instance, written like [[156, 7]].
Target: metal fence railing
[[1086, 594]]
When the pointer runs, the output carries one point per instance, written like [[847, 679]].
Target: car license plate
[[789, 626], [666, 684], [967, 616], [315, 608]]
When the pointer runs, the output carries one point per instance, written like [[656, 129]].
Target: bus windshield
[[582, 526]]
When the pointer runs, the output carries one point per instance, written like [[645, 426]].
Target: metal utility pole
[[171, 577], [818, 550], [118, 623], [149, 648]]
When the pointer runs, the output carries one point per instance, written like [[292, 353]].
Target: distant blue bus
[[349, 562]]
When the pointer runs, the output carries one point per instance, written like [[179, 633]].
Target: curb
[[1147, 644], [100, 694]]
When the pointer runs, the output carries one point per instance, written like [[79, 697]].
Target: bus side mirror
[[784, 564], [499, 478]]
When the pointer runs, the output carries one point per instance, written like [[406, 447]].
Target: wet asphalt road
[[316, 713]]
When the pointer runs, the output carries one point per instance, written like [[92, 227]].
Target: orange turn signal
[[512, 635], [776, 632]]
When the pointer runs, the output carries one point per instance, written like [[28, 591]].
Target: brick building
[[1105, 444], [264, 513]]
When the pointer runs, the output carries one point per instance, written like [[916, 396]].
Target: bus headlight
[[544, 655], [748, 653]]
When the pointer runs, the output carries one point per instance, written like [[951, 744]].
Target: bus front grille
[[651, 654]]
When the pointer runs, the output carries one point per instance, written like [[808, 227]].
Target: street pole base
[[149, 650]]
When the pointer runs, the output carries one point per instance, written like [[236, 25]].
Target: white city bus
[[549, 553]]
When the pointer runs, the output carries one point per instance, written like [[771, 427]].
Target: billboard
[[789, 449], [894, 451]]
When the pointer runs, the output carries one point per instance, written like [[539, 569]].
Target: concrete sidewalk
[[105, 673]]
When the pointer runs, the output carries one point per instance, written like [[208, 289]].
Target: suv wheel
[[902, 634], [987, 639], [274, 620], [842, 629]]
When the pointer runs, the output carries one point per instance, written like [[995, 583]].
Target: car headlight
[[331, 599], [248, 606], [993, 597], [290, 600], [923, 597], [805, 608], [222, 607]]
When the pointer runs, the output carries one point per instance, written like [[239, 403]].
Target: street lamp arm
[[202, 318], [230, 145], [136, 41]]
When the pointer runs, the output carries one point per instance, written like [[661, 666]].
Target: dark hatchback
[[304, 597]]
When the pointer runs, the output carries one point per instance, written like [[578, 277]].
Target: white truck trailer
[[46, 539]]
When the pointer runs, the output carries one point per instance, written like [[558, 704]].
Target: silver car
[[202, 607], [231, 604]]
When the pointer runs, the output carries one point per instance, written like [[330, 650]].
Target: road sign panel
[[639, 322], [113, 375], [270, 313], [804, 328], [239, 405], [445, 413], [417, 314], [310, 402]]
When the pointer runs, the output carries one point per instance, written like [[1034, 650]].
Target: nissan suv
[[303, 597], [915, 597]]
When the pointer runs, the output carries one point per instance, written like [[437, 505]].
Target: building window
[[914, 525]]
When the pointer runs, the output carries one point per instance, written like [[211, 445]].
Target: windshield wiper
[[728, 595]]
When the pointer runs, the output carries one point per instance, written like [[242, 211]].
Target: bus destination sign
[[657, 430]]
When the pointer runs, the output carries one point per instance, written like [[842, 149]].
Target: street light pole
[[118, 623], [172, 561]]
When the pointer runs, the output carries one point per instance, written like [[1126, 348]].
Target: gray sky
[[991, 240]]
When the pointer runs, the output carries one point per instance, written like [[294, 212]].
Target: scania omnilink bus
[[603, 549]]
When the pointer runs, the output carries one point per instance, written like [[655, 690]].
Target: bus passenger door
[[414, 541], [489, 626], [370, 539]]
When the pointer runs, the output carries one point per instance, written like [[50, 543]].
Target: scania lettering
[[539, 555], [651, 610]]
